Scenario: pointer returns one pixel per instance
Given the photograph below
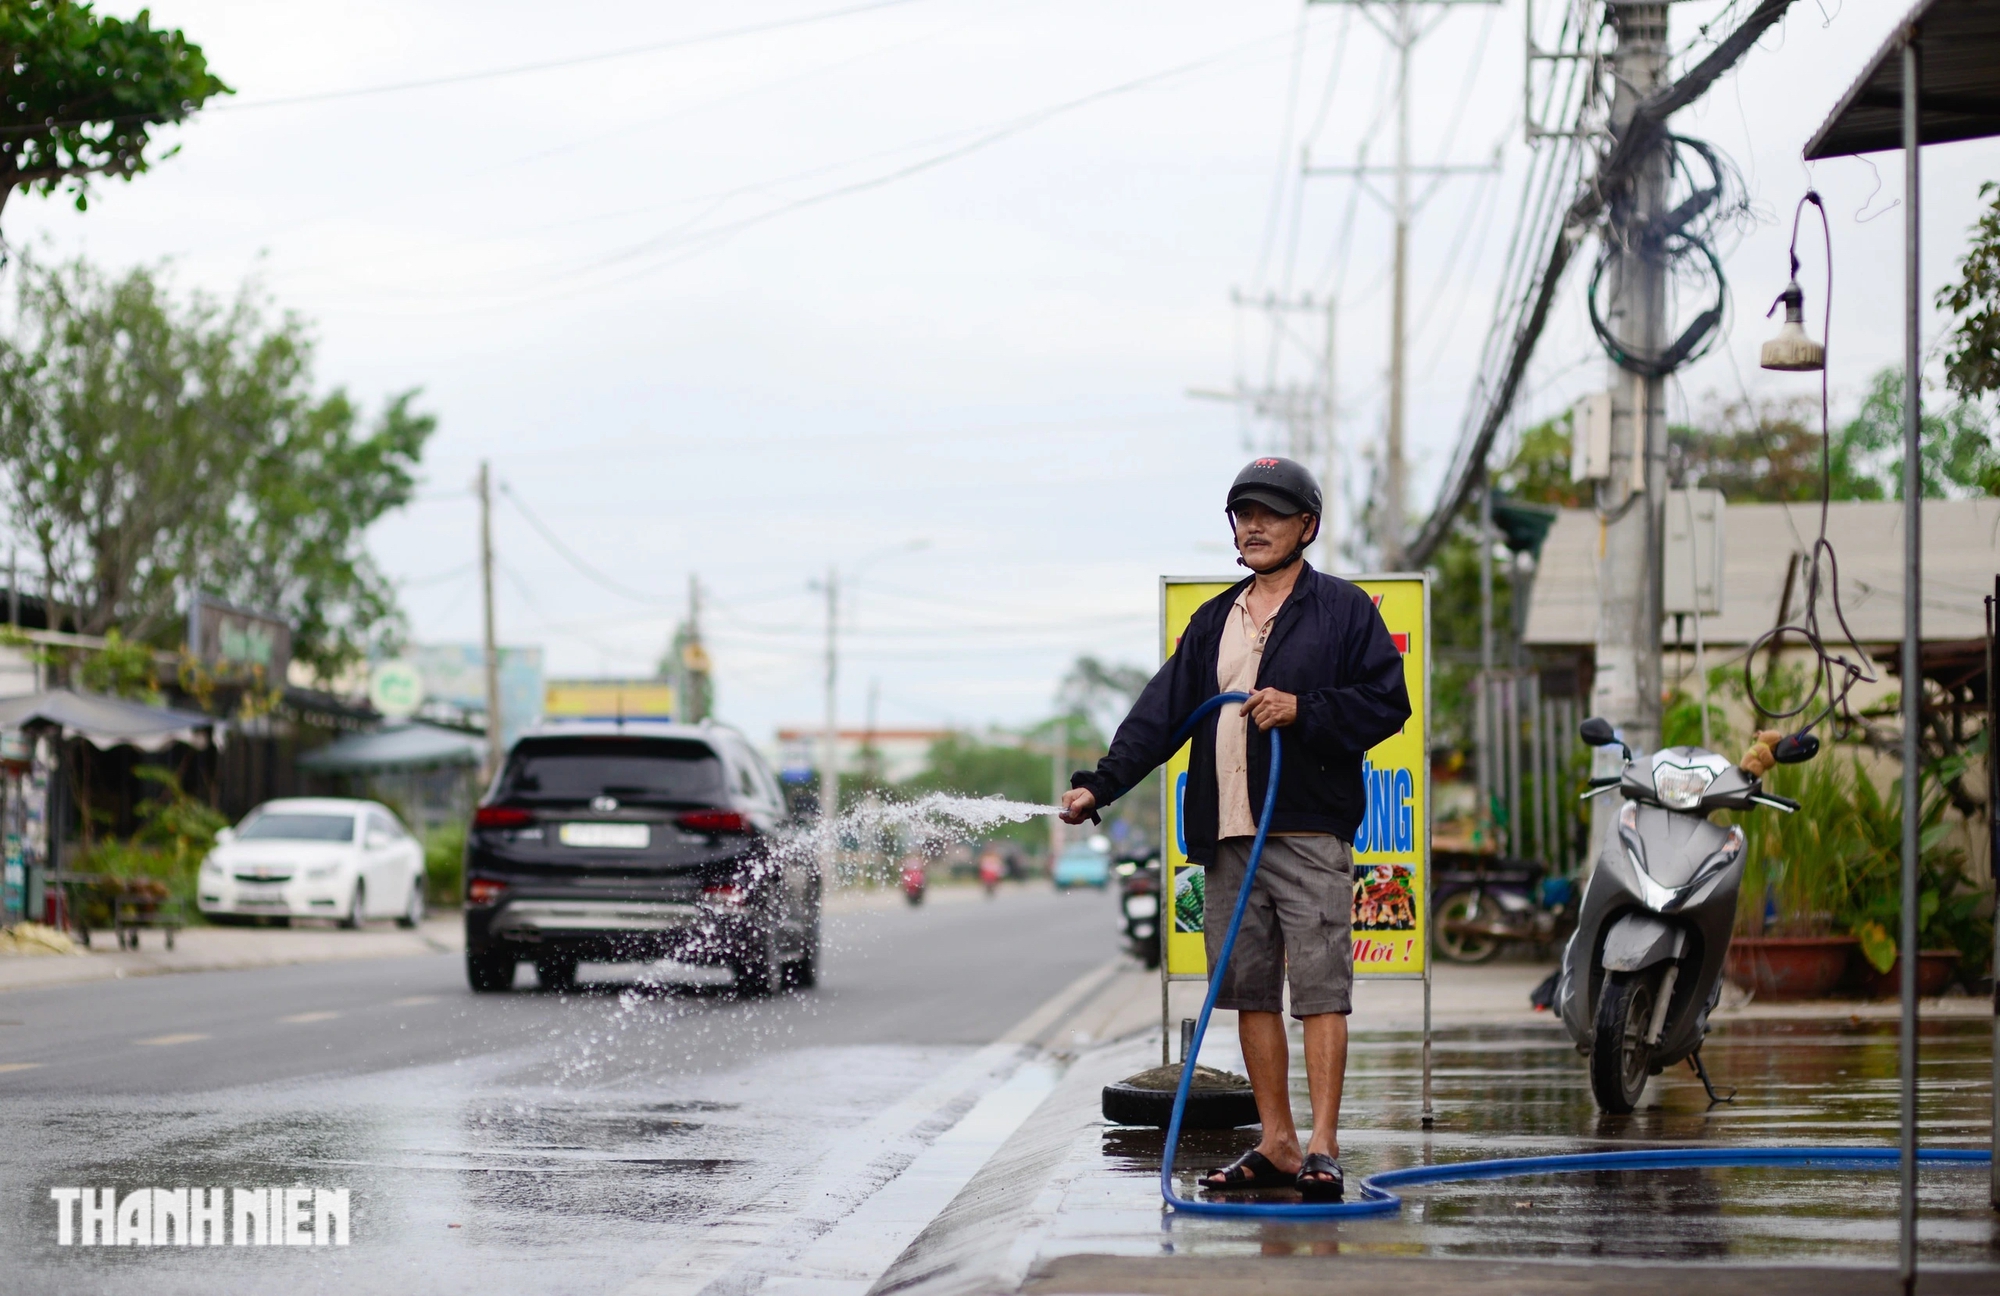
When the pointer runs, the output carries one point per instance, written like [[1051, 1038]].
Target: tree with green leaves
[[1957, 454], [81, 94], [1972, 366], [152, 449]]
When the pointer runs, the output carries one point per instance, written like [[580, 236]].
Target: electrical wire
[[580, 60], [575, 560], [1835, 673]]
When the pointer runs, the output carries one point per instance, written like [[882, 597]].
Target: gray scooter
[[1644, 969]]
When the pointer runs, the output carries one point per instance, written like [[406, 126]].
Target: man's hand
[[1078, 805], [1272, 709]]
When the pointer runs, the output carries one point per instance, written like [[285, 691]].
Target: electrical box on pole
[[1691, 582], [1590, 438]]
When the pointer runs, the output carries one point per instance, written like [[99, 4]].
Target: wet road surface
[[525, 1142], [1522, 1091]]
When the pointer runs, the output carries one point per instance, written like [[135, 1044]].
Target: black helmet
[[1280, 485]]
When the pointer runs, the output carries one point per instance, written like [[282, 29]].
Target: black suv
[[637, 841]]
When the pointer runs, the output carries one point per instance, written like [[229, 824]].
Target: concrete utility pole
[[1627, 687], [491, 644], [1402, 26], [829, 748]]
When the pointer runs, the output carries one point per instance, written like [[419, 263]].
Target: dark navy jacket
[[1328, 646]]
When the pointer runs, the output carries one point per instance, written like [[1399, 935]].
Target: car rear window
[[672, 770], [299, 827]]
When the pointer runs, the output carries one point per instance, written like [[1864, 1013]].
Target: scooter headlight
[[1681, 787]]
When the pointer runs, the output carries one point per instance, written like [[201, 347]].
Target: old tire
[[489, 971], [1620, 1059], [1220, 1101]]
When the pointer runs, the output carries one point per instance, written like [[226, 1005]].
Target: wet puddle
[[1522, 1091]]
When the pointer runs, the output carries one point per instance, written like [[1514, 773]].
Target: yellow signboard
[[1392, 846], [608, 699]]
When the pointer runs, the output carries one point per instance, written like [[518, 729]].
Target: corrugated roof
[[1961, 557], [1958, 50]]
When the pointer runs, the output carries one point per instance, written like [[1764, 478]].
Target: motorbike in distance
[[992, 871], [1644, 968], [915, 878], [1139, 907]]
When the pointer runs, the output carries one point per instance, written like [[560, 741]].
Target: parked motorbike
[[1486, 903], [1644, 969], [915, 878], [1139, 907]]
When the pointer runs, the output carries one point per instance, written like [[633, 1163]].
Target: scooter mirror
[[1597, 732], [1793, 749]]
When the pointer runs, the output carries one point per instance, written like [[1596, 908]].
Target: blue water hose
[[1377, 1197]]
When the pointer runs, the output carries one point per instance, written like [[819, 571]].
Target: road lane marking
[[18, 1066], [300, 1019], [988, 1094], [171, 1039], [413, 1001]]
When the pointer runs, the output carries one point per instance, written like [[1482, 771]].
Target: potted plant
[[1788, 944], [1952, 922]]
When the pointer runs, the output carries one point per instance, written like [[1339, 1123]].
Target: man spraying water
[[1319, 665]]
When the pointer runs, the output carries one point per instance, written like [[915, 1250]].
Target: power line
[[580, 60], [570, 555]]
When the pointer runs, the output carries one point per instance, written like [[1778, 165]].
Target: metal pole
[[1485, 737], [1993, 862], [829, 754], [1392, 451], [1913, 676], [490, 643]]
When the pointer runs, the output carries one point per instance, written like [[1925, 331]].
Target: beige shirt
[[1237, 659]]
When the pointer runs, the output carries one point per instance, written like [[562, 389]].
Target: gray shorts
[[1301, 914]]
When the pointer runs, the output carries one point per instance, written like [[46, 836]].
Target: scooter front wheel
[[1620, 1058]]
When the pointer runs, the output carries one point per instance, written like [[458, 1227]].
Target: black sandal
[[1321, 1178], [1247, 1173]]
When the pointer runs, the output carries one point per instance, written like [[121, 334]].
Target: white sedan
[[315, 857]]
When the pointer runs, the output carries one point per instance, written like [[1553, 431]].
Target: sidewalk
[[216, 949]]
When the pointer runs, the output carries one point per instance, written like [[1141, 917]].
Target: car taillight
[[726, 896], [501, 817], [712, 821], [483, 891]]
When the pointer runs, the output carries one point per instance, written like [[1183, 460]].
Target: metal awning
[[1958, 44], [105, 721]]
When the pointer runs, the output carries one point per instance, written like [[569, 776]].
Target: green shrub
[[444, 867]]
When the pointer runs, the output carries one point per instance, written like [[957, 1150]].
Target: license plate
[[1142, 906], [606, 836]]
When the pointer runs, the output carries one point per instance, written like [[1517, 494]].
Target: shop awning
[[1958, 46], [411, 746], [105, 721]]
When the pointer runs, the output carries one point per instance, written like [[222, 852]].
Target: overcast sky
[[925, 273]]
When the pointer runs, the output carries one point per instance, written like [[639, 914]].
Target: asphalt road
[[524, 1142]]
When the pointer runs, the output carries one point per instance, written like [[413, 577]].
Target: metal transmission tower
[[1402, 25]]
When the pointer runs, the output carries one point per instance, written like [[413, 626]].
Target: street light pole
[[490, 644], [829, 750]]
